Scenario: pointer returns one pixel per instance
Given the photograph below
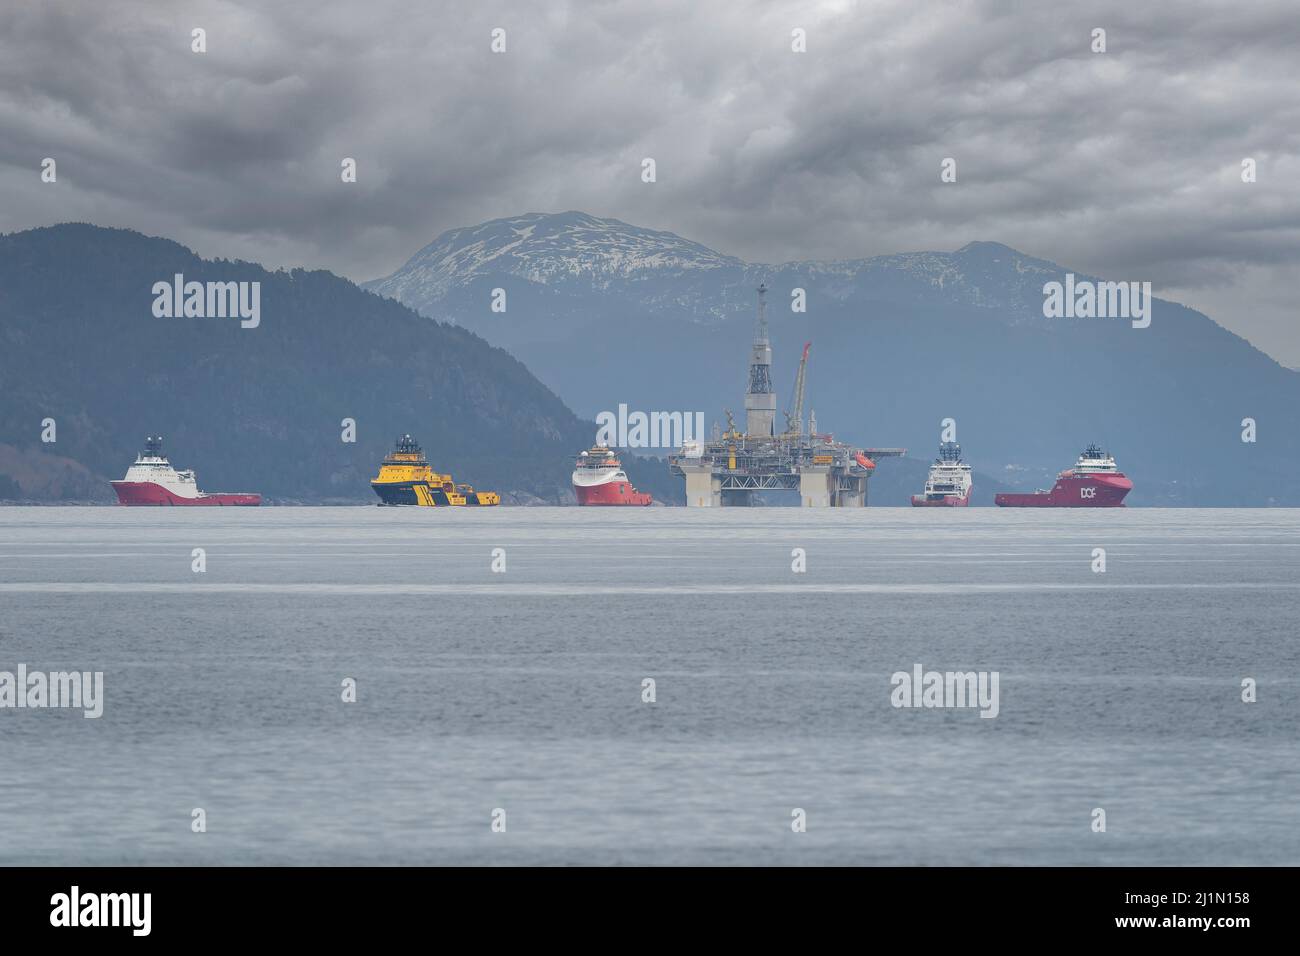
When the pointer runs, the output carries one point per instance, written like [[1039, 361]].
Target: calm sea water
[[523, 690]]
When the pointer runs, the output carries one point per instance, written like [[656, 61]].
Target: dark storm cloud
[[1125, 164]]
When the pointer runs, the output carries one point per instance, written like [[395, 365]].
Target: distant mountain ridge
[[607, 313], [576, 248]]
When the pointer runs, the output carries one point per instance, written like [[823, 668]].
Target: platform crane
[[794, 422]]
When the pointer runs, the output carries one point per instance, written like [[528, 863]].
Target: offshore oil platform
[[727, 470]]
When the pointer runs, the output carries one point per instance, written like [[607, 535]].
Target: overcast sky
[[1125, 164]]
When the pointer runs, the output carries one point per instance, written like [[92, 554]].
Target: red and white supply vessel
[[153, 481], [949, 484], [1094, 482], [599, 479]]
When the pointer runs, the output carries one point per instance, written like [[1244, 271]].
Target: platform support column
[[703, 490], [815, 486]]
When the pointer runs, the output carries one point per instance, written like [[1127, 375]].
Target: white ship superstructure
[[153, 467], [1094, 461], [949, 482]]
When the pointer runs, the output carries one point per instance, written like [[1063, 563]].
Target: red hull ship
[[1093, 482], [599, 479], [153, 481]]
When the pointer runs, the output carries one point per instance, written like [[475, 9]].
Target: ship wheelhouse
[[597, 458], [1094, 461]]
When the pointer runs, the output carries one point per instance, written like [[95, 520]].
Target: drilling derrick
[[760, 400]]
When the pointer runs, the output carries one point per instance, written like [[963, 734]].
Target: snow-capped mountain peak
[[542, 247]]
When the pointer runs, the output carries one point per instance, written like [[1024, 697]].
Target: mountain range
[[599, 313], [607, 313]]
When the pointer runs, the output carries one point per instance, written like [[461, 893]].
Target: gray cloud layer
[[1125, 164]]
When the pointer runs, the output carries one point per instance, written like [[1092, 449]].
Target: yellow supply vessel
[[405, 478]]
